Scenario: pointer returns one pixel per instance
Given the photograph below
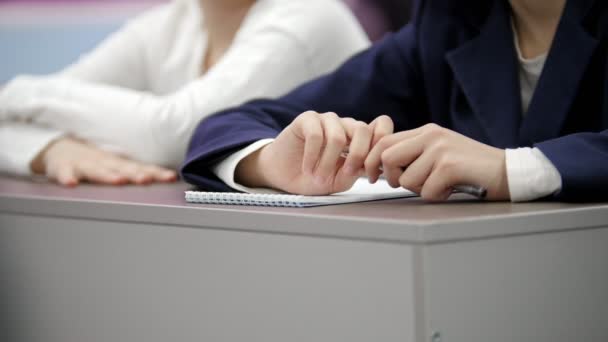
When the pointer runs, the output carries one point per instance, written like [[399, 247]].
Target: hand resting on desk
[[69, 161], [306, 159]]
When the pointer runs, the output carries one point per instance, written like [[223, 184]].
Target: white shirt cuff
[[226, 169], [531, 175], [21, 143]]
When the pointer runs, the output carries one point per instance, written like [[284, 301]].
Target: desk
[[138, 264]]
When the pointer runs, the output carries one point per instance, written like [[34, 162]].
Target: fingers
[[131, 171], [161, 174], [335, 143], [360, 140], [313, 135], [382, 126], [326, 137], [373, 162], [97, 173], [438, 186], [374, 159], [65, 175], [398, 157], [138, 173], [416, 174], [119, 174], [70, 161]]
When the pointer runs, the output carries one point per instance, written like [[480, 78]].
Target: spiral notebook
[[362, 191]]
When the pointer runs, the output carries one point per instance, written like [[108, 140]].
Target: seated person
[[125, 113], [508, 95]]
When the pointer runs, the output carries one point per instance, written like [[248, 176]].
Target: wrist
[[55, 150], [501, 182], [39, 163], [251, 171]]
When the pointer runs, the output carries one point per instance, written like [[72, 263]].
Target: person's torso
[[471, 80], [176, 55]]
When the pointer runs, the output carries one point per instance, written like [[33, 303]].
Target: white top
[[530, 70], [530, 174], [142, 92]]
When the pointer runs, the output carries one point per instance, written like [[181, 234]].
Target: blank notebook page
[[362, 191]]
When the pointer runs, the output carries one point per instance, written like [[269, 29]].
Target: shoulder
[[310, 9], [162, 18], [448, 18], [595, 20], [438, 26], [471, 12], [307, 21]]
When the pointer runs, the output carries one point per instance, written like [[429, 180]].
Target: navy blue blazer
[[454, 65]]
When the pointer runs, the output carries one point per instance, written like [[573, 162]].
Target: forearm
[[582, 161], [21, 144], [222, 135], [156, 129], [139, 125], [110, 117]]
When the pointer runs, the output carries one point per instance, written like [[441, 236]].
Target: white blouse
[[530, 173], [142, 92]]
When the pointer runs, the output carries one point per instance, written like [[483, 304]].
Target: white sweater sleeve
[[150, 128], [116, 61], [21, 143], [156, 129]]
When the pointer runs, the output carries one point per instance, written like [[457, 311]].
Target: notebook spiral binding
[[264, 200]]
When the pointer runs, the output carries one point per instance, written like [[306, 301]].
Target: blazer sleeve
[[21, 143], [385, 79], [582, 161]]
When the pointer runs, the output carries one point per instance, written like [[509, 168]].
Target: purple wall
[[381, 16]]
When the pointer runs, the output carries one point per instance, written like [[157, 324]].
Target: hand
[[431, 160], [69, 162], [306, 157]]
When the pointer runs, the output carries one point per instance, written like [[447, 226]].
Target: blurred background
[[43, 36]]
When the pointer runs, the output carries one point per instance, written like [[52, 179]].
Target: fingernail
[[70, 182], [118, 179]]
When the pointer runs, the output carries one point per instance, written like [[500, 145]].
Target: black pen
[[477, 191], [473, 190]]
